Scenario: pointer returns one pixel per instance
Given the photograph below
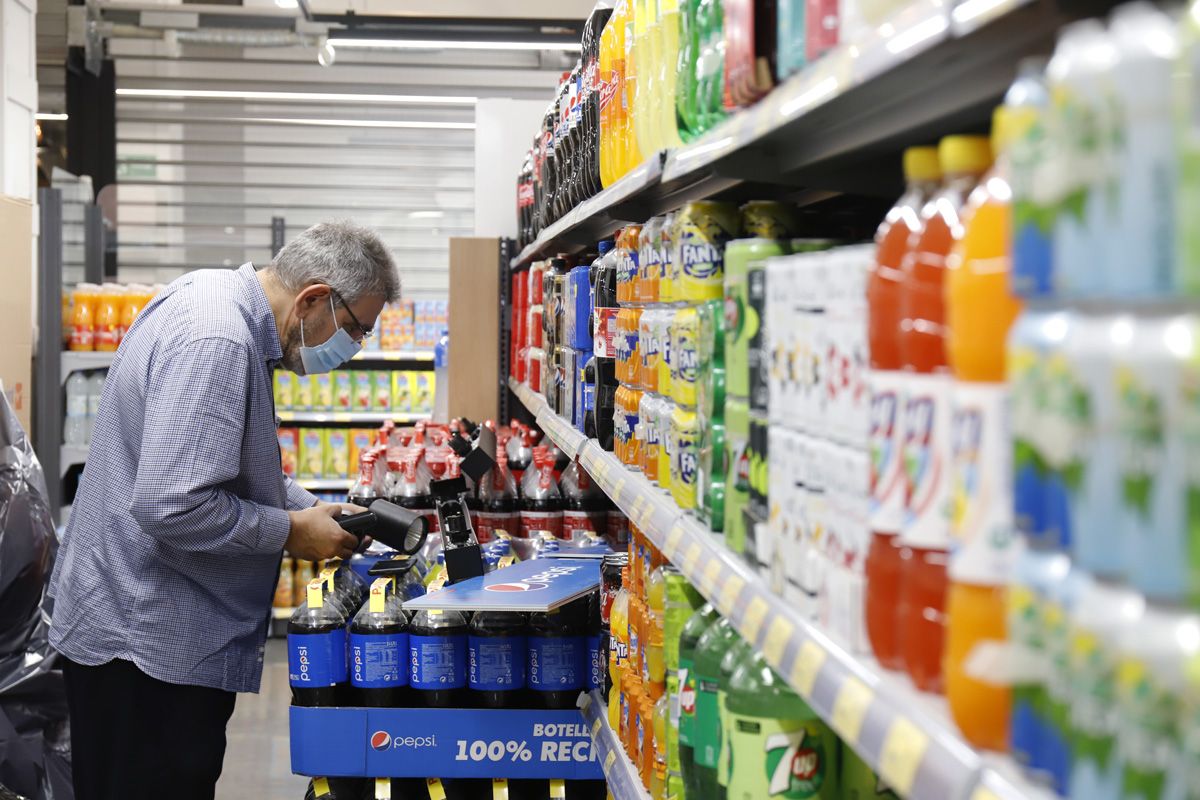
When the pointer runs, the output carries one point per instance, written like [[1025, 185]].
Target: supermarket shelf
[[394, 355], [325, 484], [348, 416], [620, 773], [838, 127], [75, 362], [903, 734]]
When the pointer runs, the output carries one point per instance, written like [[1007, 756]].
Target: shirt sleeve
[[192, 437], [298, 498]]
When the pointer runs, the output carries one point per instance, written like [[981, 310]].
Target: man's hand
[[316, 536]]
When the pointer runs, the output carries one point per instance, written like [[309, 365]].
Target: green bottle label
[[687, 703], [706, 738], [673, 724], [773, 758], [724, 756]]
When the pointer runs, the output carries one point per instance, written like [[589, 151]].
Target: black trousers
[[134, 737]]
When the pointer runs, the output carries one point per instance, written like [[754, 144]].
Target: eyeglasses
[[366, 332]]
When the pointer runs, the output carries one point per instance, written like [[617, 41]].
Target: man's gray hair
[[350, 258]]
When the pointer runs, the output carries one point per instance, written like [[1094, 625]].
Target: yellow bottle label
[[315, 597], [378, 595]]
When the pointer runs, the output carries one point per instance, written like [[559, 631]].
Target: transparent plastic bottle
[[95, 388], [75, 426]]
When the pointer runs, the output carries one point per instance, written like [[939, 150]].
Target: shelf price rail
[[619, 772], [902, 734]]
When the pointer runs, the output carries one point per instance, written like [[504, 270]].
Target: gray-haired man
[[164, 580]]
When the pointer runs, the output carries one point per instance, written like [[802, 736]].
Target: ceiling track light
[[450, 44]]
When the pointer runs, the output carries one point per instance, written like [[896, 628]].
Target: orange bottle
[[135, 299], [608, 93], [922, 173], [979, 312], [107, 320], [925, 533], [83, 317]]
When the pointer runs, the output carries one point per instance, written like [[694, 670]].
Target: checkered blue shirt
[[173, 547]]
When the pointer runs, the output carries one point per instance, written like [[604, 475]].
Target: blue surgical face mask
[[335, 351]]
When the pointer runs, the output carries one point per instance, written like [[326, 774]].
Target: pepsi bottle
[[437, 647], [557, 652], [316, 640], [496, 645], [349, 586], [597, 661], [379, 650]]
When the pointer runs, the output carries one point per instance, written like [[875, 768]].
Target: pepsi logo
[[517, 586], [380, 740]]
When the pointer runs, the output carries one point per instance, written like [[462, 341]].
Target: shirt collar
[[262, 318]]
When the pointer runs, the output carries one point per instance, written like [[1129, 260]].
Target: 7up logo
[[795, 764]]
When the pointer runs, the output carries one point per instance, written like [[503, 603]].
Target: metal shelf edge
[[620, 773]]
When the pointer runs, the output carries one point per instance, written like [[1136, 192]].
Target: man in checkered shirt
[[167, 569]]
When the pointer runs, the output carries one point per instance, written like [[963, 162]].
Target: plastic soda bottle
[[669, 34], [704, 618], [618, 647], [685, 70], [884, 287], [1029, 99], [107, 319], [609, 86], [979, 313], [927, 415], [710, 650], [629, 147]]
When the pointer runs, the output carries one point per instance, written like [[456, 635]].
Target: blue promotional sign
[[442, 742], [543, 584]]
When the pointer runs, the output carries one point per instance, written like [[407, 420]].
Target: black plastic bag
[[35, 756]]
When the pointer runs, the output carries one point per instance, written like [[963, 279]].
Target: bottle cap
[[969, 155], [921, 164]]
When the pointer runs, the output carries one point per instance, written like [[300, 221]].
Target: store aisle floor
[[257, 760]]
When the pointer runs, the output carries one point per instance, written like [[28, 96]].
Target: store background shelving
[[367, 417], [903, 734], [620, 773]]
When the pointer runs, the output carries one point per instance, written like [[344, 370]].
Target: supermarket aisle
[[257, 762]]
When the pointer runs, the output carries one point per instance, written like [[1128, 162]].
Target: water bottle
[[75, 427], [95, 388]]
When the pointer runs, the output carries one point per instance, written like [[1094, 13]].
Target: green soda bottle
[[685, 84], [729, 662], [682, 600], [779, 748], [710, 650], [859, 782], [689, 639]]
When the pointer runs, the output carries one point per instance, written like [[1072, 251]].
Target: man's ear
[[311, 296]]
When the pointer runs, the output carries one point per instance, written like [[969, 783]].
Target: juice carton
[[363, 390], [360, 440], [312, 452], [422, 383], [302, 397], [337, 453], [402, 392], [343, 390], [383, 390], [285, 388], [289, 450], [322, 392]]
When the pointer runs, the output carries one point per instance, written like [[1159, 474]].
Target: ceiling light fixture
[[296, 97], [424, 214], [45, 116], [356, 123], [287, 3], [450, 44]]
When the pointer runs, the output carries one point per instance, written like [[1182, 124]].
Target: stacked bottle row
[[96, 316], [700, 713], [655, 75], [83, 392]]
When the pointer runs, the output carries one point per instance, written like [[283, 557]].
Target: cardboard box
[[337, 453], [303, 394], [289, 450], [360, 439], [343, 390], [312, 453], [16, 307], [285, 389], [363, 392], [323, 393]]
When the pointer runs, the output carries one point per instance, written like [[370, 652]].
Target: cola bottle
[[407, 485], [316, 641], [498, 502], [437, 644], [557, 657], [379, 649], [574, 143], [591, 55], [541, 501], [496, 653], [584, 507], [362, 491]]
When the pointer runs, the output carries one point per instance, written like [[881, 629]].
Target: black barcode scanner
[[399, 528]]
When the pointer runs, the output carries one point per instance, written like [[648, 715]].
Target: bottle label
[[927, 420], [981, 521], [605, 339], [82, 337], [107, 337], [777, 758], [706, 733], [556, 663], [93, 404], [551, 521], [78, 405], [887, 443], [496, 663], [577, 521], [687, 702], [317, 660], [437, 662], [377, 660], [618, 528], [490, 522], [595, 675]]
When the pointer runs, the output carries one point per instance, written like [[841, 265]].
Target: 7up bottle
[[779, 748]]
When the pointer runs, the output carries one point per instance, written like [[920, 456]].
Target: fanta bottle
[[979, 312], [609, 87], [629, 155], [921, 172], [668, 73], [925, 533], [107, 319], [83, 314]]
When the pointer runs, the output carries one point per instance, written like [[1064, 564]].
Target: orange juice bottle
[[107, 320], [979, 312], [629, 155], [83, 317], [608, 94], [925, 533], [135, 299]]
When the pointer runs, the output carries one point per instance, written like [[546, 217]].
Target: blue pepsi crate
[[442, 742]]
